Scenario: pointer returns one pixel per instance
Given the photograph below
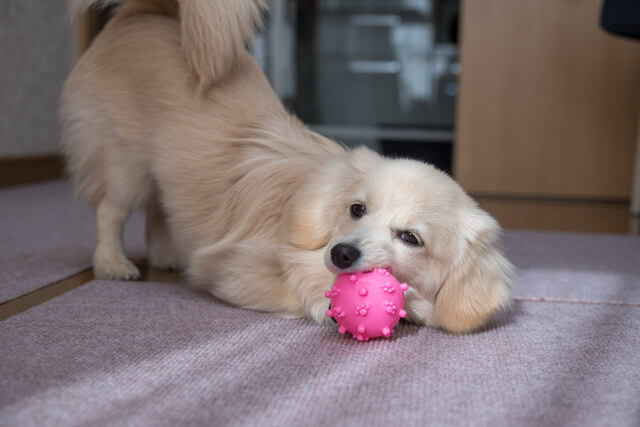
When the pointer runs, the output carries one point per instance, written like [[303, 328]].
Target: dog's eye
[[410, 238], [358, 210]]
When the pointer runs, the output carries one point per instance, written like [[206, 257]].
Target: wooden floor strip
[[44, 294], [25, 302]]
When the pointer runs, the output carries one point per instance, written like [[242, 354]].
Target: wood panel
[[548, 101], [559, 215]]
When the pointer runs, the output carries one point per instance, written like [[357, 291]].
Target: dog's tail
[[214, 32]]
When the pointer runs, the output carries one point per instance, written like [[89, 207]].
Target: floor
[[80, 351], [57, 288]]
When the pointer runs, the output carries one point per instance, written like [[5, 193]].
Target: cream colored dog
[[169, 111]]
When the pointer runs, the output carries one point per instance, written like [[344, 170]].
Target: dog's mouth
[[346, 258], [360, 267], [370, 270]]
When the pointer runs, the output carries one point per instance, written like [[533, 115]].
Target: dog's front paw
[[419, 310], [318, 312], [115, 269]]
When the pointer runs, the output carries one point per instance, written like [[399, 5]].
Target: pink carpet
[[567, 353], [115, 353], [47, 235]]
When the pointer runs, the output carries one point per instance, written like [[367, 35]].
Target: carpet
[[48, 235], [566, 353], [575, 267], [116, 353]]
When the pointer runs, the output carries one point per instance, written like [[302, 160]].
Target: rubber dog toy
[[367, 304]]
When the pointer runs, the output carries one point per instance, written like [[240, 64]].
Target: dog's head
[[415, 220]]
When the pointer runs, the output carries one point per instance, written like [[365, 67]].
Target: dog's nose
[[344, 255]]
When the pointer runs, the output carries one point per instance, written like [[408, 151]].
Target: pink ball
[[368, 304]]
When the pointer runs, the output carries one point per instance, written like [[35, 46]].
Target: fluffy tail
[[214, 32]]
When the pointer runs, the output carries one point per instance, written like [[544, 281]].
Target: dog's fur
[[168, 110]]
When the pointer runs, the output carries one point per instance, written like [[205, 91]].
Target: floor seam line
[[563, 301], [59, 287], [45, 293]]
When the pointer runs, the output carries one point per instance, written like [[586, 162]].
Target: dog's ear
[[478, 283]]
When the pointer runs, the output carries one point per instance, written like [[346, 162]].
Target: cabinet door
[[548, 102]]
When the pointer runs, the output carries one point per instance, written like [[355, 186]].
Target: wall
[[547, 118], [36, 53]]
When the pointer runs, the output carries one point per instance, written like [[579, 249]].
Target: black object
[[621, 17], [438, 154], [344, 255]]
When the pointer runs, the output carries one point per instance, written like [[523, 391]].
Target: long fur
[[214, 32], [241, 194]]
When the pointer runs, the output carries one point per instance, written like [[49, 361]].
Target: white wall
[[36, 53]]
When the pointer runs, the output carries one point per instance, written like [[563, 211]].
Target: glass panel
[[379, 64]]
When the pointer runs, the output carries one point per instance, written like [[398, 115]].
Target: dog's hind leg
[[109, 260], [162, 251]]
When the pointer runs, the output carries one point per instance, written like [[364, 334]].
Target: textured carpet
[[114, 353], [46, 236], [149, 354], [575, 267]]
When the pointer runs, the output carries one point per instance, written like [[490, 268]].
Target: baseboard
[[26, 170], [559, 215]]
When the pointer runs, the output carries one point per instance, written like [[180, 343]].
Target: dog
[[167, 110]]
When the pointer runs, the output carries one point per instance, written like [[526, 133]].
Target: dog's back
[[167, 109], [126, 72], [150, 110]]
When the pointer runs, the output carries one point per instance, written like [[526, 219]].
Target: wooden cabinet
[[547, 114]]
